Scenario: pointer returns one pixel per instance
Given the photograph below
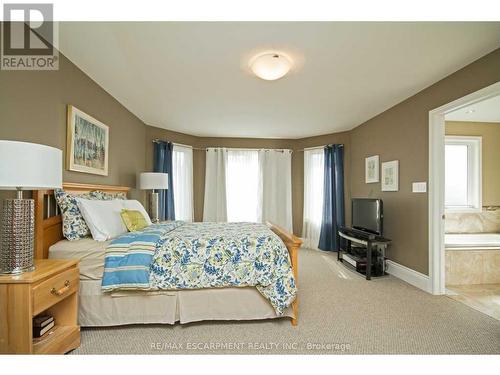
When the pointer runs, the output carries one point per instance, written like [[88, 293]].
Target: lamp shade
[[29, 166], [153, 180]]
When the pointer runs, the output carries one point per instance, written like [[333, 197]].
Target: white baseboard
[[412, 277]]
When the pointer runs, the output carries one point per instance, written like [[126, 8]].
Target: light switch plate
[[419, 187]]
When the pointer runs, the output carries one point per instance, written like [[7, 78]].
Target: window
[[242, 185], [182, 170], [463, 173], [313, 196]]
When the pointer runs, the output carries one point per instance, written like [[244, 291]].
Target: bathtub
[[477, 262], [472, 241]]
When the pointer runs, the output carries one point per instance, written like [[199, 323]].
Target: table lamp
[[153, 181], [24, 166]]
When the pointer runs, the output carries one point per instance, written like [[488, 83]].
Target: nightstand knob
[[61, 291]]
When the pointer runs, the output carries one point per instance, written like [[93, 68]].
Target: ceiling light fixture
[[270, 66], [470, 111]]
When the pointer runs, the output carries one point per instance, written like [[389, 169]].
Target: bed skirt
[[186, 306]]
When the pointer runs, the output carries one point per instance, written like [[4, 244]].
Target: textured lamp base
[[18, 229], [153, 208]]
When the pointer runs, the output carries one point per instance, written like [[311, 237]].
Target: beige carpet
[[340, 313]]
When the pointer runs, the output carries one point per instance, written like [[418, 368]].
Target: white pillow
[[136, 205], [103, 218]]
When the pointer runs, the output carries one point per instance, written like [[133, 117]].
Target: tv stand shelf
[[362, 257]]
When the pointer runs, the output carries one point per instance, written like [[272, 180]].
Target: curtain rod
[[317, 147], [156, 140], [251, 149]]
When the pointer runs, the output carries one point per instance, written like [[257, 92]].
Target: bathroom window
[[463, 173]]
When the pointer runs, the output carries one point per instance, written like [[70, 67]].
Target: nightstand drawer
[[55, 289]]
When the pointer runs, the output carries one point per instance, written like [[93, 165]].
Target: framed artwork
[[87, 143], [390, 176], [372, 169]]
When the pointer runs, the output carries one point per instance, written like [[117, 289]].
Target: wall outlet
[[419, 187]]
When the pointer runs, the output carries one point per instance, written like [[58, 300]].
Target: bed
[[119, 307]]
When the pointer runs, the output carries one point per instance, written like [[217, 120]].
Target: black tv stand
[[361, 256]]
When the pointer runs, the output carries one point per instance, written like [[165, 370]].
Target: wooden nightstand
[[51, 287]]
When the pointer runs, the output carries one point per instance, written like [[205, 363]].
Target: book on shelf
[[40, 331], [41, 321]]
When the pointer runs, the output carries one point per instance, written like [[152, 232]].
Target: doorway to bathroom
[[464, 198], [472, 205]]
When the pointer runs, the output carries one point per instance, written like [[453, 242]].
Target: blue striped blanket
[[128, 258], [179, 255]]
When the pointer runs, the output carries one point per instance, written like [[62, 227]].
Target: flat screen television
[[368, 215]]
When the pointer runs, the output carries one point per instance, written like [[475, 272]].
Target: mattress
[[88, 251]]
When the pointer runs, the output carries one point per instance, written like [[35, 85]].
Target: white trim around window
[[472, 196]]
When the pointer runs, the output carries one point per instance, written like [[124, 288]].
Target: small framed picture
[[88, 140], [390, 176], [372, 169]]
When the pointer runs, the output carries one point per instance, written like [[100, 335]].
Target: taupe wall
[[401, 133], [490, 133], [33, 109]]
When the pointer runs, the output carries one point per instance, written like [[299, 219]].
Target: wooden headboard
[[48, 221]]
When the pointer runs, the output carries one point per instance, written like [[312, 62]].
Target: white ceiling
[[194, 77], [484, 111]]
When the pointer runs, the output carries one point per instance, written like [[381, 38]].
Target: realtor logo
[[29, 38]]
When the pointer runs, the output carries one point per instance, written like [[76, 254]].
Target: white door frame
[[436, 182]]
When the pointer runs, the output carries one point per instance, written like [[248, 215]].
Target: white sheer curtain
[[275, 187], [248, 185], [313, 197], [242, 184], [215, 206], [182, 170]]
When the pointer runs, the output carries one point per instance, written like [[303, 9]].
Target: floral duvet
[[182, 255]]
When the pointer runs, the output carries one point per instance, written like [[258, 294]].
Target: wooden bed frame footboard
[[293, 244], [48, 225]]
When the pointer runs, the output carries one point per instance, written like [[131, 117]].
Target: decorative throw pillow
[[137, 206], [74, 226], [73, 223], [103, 196], [134, 220]]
